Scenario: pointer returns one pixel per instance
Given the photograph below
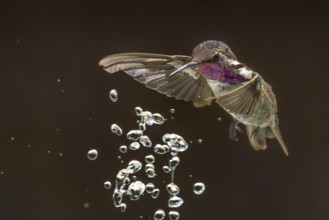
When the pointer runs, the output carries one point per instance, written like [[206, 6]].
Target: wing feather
[[153, 70], [243, 99]]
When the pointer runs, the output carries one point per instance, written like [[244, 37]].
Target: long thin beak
[[183, 67]]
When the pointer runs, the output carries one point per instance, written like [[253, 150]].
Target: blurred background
[[55, 107]]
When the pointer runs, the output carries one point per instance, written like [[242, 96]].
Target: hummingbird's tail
[[257, 137]]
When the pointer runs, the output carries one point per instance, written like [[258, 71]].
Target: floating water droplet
[[134, 146], [155, 193], [158, 119], [92, 154], [159, 214], [123, 207], [116, 129], [107, 185], [175, 202], [134, 134], [161, 149], [172, 110], [173, 162], [136, 189], [149, 187], [145, 141], [172, 189], [58, 80], [199, 188], [134, 178], [146, 117], [219, 119], [173, 215], [138, 110], [117, 198], [174, 140], [173, 151], [149, 159], [150, 173], [149, 166], [200, 141], [166, 169], [123, 149], [113, 95], [119, 157], [86, 205], [134, 166]]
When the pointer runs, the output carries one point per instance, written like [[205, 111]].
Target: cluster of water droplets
[[126, 182]]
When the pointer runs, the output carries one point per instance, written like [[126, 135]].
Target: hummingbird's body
[[212, 73]]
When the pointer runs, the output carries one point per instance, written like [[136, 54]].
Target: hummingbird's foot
[[234, 127]]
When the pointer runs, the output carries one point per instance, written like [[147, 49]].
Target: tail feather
[[257, 137], [276, 132]]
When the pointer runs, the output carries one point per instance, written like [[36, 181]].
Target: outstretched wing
[[153, 70], [243, 99]]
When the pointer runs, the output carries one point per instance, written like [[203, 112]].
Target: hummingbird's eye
[[215, 58]]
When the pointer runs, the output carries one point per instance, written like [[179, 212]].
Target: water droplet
[[200, 141], [134, 178], [145, 141], [199, 188], [173, 162], [123, 149], [149, 166], [175, 202], [161, 149], [134, 166], [172, 110], [146, 117], [134, 146], [149, 159], [134, 134], [117, 198], [158, 119], [12, 138], [116, 129], [174, 140], [92, 154], [113, 95], [173, 215], [173, 151], [159, 214], [172, 189], [58, 80], [86, 205], [166, 169], [136, 189], [107, 185], [60, 154], [149, 187], [138, 110], [150, 173], [219, 119], [123, 207], [155, 193]]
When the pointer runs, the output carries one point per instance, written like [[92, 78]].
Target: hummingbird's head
[[211, 51]]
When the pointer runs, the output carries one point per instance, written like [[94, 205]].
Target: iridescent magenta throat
[[216, 71]]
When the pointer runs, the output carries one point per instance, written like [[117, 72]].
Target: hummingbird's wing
[[243, 99], [153, 70]]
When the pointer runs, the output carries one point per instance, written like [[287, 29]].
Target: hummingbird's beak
[[192, 63]]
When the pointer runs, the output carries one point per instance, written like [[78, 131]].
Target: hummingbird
[[212, 74]]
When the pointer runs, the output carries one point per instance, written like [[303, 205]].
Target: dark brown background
[[286, 41]]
